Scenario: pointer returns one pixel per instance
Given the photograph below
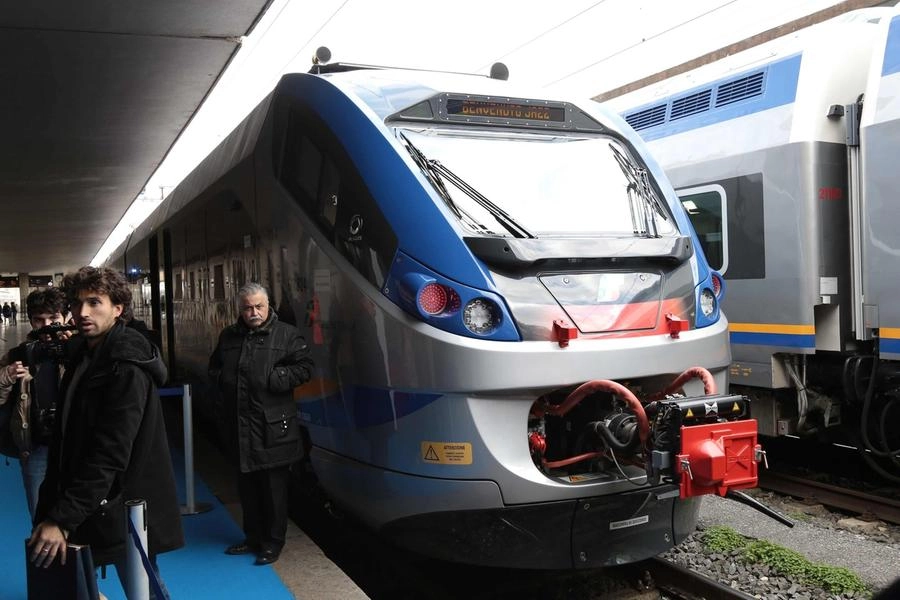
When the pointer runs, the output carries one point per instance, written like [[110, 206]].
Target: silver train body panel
[[879, 183], [798, 137]]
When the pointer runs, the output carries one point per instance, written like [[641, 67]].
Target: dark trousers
[[264, 504]]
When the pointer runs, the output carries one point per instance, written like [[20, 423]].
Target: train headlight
[[707, 303], [481, 316]]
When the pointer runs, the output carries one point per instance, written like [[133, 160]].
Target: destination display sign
[[494, 109], [40, 280]]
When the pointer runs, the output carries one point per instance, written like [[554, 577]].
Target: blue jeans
[[33, 470]]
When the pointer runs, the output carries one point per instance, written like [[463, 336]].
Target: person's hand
[[47, 541], [64, 335], [16, 370]]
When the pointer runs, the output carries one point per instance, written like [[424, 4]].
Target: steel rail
[[883, 508], [685, 583]]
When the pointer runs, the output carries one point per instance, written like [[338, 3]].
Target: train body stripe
[[889, 344], [802, 330], [774, 339], [889, 348], [361, 406]]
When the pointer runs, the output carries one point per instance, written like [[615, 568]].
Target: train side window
[[309, 167], [301, 167], [329, 194], [340, 203], [191, 288], [179, 289], [706, 208], [237, 275], [219, 282]]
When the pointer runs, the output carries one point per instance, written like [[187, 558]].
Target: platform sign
[[40, 280], [9, 282]]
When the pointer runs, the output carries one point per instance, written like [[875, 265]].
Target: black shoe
[[239, 548], [266, 557]]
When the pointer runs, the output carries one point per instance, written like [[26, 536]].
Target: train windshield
[[540, 185]]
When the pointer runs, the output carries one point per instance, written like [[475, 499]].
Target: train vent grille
[[690, 105], [739, 89], [649, 117]]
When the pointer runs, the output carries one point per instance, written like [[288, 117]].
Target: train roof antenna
[[499, 71]]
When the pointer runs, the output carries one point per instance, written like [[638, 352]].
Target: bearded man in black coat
[[255, 367], [110, 443]]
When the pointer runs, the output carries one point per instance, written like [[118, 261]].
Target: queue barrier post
[[140, 573], [137, 582], [191, 507]]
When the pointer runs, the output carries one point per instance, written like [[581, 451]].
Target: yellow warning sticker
[[447, 453]]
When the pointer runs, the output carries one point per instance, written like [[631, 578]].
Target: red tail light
[[436, 299], [433, 299], [716, 285]]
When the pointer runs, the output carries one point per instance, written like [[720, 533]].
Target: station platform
[[201, 569]]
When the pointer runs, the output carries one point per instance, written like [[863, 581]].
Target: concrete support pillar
[[23, 293]]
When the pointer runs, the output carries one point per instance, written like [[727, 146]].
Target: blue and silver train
[[785, 159], [517, 339]]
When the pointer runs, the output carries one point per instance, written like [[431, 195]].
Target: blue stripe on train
[[362, 407], [892, 49], [889, 345], [774, 339], [780, 88]]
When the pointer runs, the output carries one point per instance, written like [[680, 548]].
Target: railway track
[[880, 507], [675, 581]]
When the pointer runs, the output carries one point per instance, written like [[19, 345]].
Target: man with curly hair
[[30, 375], [110, 444]]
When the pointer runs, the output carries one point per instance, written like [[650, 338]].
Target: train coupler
[[707, 444], [718, 457]]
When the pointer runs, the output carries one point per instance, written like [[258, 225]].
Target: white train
[[785, 157], [494, 284]]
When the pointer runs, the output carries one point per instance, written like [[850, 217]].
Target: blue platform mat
[[199, 570]]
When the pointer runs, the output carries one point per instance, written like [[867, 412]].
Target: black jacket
[[22, 434], [255, 372], [110, 446]]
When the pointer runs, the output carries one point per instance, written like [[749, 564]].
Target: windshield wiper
[[495, 211], [435, 178], [643, 220]]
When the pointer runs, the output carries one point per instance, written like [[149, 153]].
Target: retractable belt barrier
[[191, 507], [141, 574]]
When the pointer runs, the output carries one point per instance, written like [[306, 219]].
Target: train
[[518, 343], [783, 156]]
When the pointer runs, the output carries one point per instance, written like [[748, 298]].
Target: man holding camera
[[111, 444], [29, 378]]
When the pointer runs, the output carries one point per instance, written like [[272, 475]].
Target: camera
[[52, 349], [42, 431]]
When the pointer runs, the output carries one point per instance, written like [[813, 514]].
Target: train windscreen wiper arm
[[495, 211], [639, 184], [435, 178]]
